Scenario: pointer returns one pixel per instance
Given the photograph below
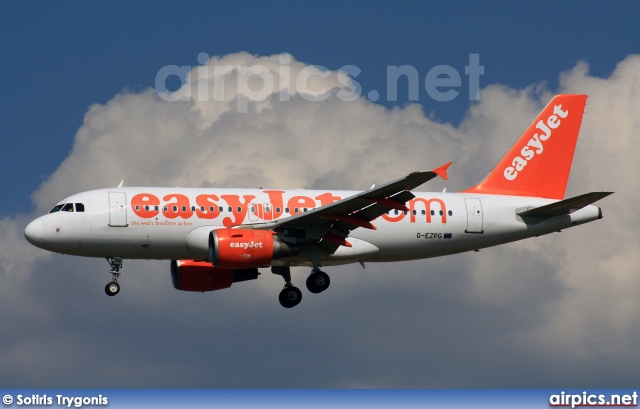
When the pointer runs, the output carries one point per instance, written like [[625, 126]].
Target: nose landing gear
[[113, 287]]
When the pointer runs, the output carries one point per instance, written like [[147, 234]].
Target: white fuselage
[[174, 223]]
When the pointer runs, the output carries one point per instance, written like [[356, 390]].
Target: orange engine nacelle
[[238, 248], [189, 275]]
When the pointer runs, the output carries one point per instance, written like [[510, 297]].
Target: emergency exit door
[[117, 209], [474, 215]]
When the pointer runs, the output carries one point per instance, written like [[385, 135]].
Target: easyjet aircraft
[[216, 237]]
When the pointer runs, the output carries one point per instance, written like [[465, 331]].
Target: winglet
[[442, 170]]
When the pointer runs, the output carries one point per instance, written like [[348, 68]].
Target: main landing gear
[[113, 287], [318, 281], [290, 296]]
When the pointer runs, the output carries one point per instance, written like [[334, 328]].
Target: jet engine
[[238, 248], [189, 275]]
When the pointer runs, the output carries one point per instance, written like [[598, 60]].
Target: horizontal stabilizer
[[566, 206]]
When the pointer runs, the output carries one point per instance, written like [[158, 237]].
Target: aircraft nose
[[34, 232]]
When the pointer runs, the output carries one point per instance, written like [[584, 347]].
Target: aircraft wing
[[332, 223]]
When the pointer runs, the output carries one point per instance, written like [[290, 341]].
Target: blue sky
[[559, 310], [59, 59]]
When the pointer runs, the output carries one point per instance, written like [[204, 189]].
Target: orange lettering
[[389, 218], [297, 203], [427, 206], [274, 209], [238, 209], [145, 205], [208, 203], [327, 198], [180, 208]]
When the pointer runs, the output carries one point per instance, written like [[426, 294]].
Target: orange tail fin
[[538, 164]]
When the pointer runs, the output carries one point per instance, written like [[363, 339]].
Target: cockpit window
[[68, 207], [57, 208]]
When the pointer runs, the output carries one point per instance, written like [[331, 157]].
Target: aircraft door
[[268, 211], [117, 209], [474, 215], [253, 215], [259, 212]]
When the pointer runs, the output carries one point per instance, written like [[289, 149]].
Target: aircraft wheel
[[290, 297], [112, 288], [318, 281]]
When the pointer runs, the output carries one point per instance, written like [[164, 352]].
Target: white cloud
[[567, 298]]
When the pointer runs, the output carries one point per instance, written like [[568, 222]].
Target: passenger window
[[286, 210], [450, 213], [230, 209], [423, 212], [56, 208], [221, 209], [68, 207], [441, 213], [277, 210], [414, 212], [79, 207], [433, 213]]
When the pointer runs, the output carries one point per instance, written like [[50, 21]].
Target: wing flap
[[378, 209]]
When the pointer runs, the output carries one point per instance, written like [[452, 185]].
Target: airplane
[[215, 237]]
